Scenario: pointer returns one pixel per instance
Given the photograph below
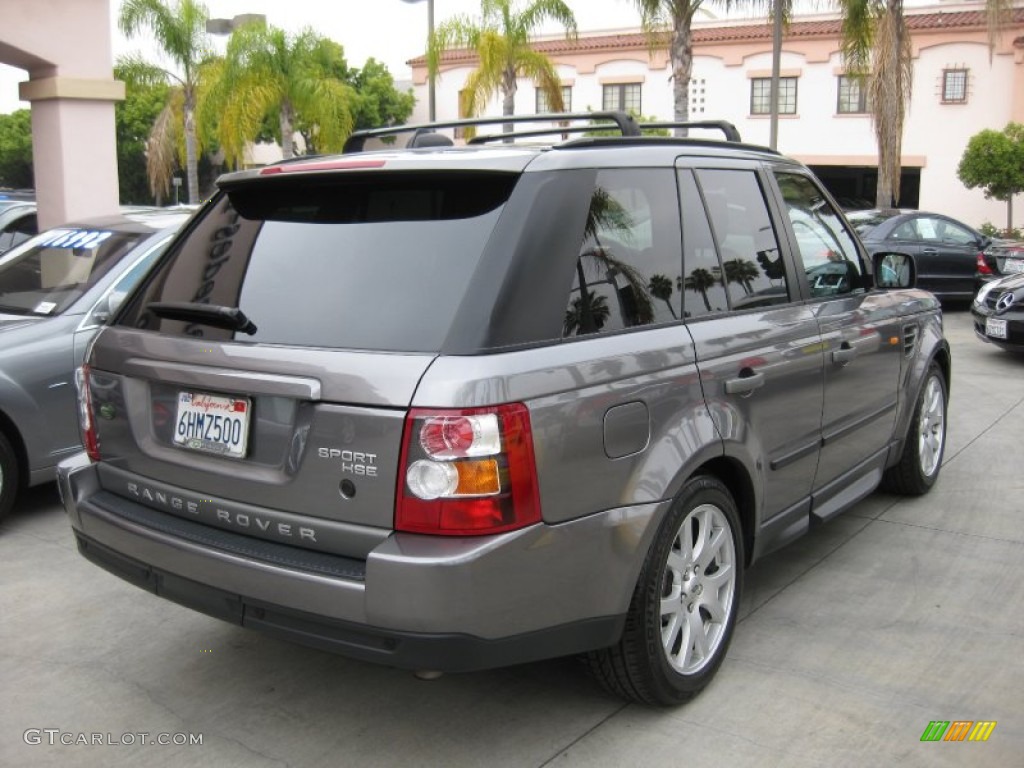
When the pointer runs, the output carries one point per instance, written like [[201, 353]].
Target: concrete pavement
[[897, 613]]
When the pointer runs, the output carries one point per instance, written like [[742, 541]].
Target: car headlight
[[984, 291]]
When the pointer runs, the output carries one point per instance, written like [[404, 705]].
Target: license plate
[[995, 328], [212, 423], [1013, 266]]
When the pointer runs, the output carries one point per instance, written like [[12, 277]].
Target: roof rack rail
[[562, 129], [613, 119], [727, 128]]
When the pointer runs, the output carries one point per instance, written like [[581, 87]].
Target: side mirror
[[986, 241], [115, 300], [106, 307], [894, 270]]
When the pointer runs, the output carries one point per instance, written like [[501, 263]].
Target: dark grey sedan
[[947, 251], [56, 291]]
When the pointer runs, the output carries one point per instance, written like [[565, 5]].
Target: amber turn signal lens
[[478, 478]]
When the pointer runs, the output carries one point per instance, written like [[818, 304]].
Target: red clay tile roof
[[958, 20]]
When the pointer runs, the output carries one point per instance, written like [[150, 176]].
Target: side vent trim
[[910, 333]]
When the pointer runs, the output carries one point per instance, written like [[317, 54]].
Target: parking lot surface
[[850, 643]]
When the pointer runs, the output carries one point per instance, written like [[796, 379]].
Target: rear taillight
[[467, 472], [982, 266], [89, 439]]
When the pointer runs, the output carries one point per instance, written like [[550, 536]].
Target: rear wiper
[[231, 318]]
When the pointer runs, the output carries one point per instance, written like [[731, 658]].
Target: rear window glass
[[375, 262], [48, 274]]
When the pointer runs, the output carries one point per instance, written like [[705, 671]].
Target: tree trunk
[[681, 57], [586, 318], [1009, 214], [191, 159], [508, 90], [891, 83], [287, 131]]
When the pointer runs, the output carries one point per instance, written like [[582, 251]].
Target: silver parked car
[[448, 408], [56, 290], [17, 223]]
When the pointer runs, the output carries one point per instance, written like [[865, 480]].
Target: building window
[[542, 100], [954, 86], [624, 97], [853, 95], [760, 95]]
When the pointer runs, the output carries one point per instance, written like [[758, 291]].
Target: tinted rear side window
[[629, 267], [355, 263]]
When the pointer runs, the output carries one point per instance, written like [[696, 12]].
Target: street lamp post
[[227, 26], [430, 75], [773, 93]]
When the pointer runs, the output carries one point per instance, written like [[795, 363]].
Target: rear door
[[758, 348], [951, 251]]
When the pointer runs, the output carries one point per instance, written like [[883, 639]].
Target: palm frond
[[161, 152], [539, 68], [997, 15], [139, 73], [858, 34], [329, 109], [549, 10], [457, 32]]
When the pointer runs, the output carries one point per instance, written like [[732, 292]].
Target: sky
[[391, 31]]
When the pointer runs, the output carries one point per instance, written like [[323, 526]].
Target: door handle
[[844, 354], [929, 250], [747, 382]]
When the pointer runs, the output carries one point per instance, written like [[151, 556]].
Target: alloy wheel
[[698, 589]]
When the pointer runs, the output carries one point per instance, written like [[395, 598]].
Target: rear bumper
[[418, 602]]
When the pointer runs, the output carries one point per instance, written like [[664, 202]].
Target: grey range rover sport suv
[[448, 408]]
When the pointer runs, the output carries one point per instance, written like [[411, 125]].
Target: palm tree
[[501, 39], [660, 287], [677, 17], [180, 32], [700, 281], [587, 313], [268, 72], [607, 215], [741, 271], [876, 46]]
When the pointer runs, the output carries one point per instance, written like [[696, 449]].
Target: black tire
[[921, 460], [644, 668], [8, 476]]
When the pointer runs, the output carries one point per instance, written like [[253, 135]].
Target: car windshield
[[49, 273]]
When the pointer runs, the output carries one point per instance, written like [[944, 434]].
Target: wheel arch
[[734, 476], [10, 431], [945, 362]]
